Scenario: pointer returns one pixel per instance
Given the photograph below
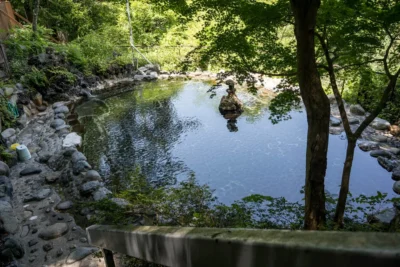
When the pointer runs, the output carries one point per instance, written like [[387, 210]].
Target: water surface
[[172, 129]]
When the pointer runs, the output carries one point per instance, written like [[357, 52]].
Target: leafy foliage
[[192, 204]]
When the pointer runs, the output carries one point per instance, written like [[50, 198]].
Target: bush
[[36, 79]]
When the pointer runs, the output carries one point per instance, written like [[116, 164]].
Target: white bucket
[[23, 153]]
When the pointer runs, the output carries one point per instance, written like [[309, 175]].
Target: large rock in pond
[[387, 164], [368, 146], [380, 124], [357, 110], [396, 174], [335, 121], [396, 187], [381, 153]]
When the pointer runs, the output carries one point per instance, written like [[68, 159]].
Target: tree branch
[[360, 63], [385, 63], [335, 88], [382, 103]]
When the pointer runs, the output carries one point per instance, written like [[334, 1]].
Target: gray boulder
[[120, 202], [394, 150], [40, 195], [8, 133], [381, 153], [92, 175], [396, 187], [385, 216], [379, 138], [353, 121], [335, 130], [4, 169], [78, 156], [6, 188], [80, 166], [8, 218], [54, 231], [57, 123], [12, 249], [8, 91], [380, 124], [61, 109], [396, 174], [60, 116], [80, 253], [335, 121], [357, 110], [368, 146], [90, 187], [387, 164], [101, 193], [69, 151], [65, 205], [44, 156], [51, 177], [30, 171], [139, 77]]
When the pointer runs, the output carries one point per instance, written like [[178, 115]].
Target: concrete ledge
[[206, 247]]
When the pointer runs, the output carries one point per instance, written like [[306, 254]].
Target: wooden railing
[[206, 247]]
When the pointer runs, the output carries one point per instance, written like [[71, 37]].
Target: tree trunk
[[344, 187], [318, 112], [36, 4]]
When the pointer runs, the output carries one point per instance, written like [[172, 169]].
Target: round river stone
[[54, 231]]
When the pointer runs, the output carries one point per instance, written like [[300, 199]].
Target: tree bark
[[36, 5], [318, 112], [344, 186]]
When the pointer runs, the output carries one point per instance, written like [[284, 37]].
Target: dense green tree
[[363, 35]]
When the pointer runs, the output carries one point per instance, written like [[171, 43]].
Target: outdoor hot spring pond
[[172, 130]]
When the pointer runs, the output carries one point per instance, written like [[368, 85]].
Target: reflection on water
[[171, 129]]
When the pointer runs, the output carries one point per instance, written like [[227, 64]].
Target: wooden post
[[108, 258]]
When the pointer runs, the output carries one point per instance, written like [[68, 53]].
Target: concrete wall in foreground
[[206, 247]]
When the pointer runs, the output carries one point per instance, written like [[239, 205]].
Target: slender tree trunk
[[344, 187], [36, 5], [318, 112]]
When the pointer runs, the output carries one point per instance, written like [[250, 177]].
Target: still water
[[173, 129]]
